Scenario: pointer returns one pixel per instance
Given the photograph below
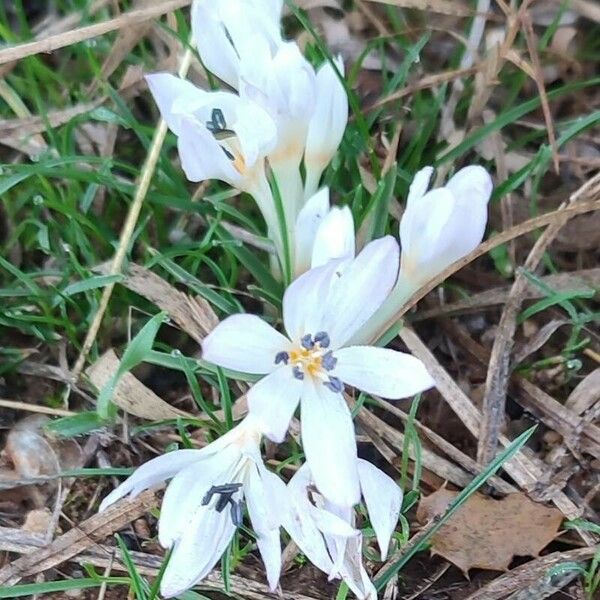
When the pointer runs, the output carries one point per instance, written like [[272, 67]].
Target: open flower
[[203, 504], [440, 226], [322, 309], [323, 233], [220, 136], [327, 125], [325, 533]]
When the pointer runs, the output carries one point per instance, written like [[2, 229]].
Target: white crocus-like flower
[[324, 532], [327, 124], [220, 136], [203, 504], [283, 84], [437, 228], [443, 225], [225, 31], [323, 233], [322, 310]]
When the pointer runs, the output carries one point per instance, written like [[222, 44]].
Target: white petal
[[354, 573], [422, 233], [298, 521], [472, 184], [420, 184], [326, 128], [262, 513], [188, 488], [360, 291], [244, 343], [153, 473], [256, 131], [334, 238], [167, 90], [214, 46], [329, 444], [383, 498], [307, 223], [223, 31], [197, 551], [331, 524], [273, 400], [304, 301], [382, 371], [202, 158]]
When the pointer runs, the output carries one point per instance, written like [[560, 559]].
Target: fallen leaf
[[487, 533], [130, 393]]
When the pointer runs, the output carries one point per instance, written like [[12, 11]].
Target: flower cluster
[[272, 137], [281, 114]]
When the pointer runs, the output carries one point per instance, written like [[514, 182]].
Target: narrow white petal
[[202, 158], [299, 523], [334, 237], [382, 371], [418, 187], [197, 551], [327, 125], [244, 343], [423, 233], [361, 290], [354, 573], [273, 400], [261, 510], [472, 184], [167, 90], [305, 300], [329, 444], [152, 473], [331, 524], [309, 218], [188, 488], [214, 46], [383, 498]]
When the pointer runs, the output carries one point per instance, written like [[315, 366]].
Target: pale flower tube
[[322, 310], [203, 504], [437, 228]]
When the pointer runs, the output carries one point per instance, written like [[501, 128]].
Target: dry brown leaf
[[194, 315], [131, 394], [487, 533], [585, 394]]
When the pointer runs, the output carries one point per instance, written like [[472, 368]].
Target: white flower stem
[[270, 204]]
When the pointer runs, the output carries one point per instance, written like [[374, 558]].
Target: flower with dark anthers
[[322, 309], [194, 521]]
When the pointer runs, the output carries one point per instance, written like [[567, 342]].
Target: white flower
[[327, 125], [220, 136], [323, 233], [322, 309], [443, 225], [227, 30], [203, 504], [324, 532], [437, 228]]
